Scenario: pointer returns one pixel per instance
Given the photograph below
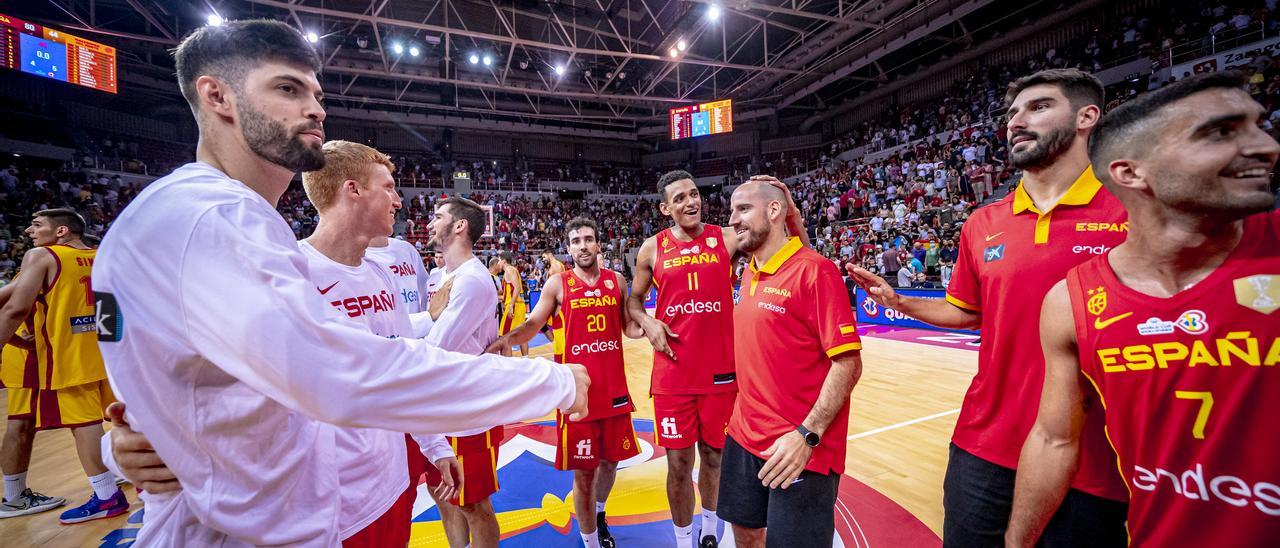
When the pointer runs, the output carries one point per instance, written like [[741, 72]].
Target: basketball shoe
[[97, 509], [29, 502]]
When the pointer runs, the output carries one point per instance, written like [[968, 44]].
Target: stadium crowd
[[897, 216]]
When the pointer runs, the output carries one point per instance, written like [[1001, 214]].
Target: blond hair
[[343, 161]]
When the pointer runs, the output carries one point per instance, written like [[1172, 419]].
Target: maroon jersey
[[695, 298], [593, 339], [1189, 385]]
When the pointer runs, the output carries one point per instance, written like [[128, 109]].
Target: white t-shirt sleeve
[[247, 306], [434, 446], [421, 323]]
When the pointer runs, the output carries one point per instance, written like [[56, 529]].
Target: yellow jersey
[[64, 323], [17, 366]]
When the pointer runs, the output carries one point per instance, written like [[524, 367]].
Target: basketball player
[[798, 356], [514, 307], [589, 298], [467, 323], [351, 194], [694, 383], [1174, 331], [355, 196], [63, 380], [1011, 252], [201, 291]]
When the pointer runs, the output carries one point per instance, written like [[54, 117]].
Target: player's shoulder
[[810, 259], [401, 246], [199, 185]]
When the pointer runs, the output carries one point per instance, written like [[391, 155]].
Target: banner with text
[[870, 312]]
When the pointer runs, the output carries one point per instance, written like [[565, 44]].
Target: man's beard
[[755, 239], [270, 140], [584, 264], [1045, 150]]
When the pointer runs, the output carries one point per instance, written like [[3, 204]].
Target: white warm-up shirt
[[404, 264], [231, 364], [372, 466]]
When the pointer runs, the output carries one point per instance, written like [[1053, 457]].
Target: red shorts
[[478, 458], [581, 445], [681, 420], [392, 527], [418, 466]]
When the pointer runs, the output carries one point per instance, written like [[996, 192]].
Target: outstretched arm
[[939, 312]]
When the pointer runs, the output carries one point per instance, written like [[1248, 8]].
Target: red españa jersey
[[593, 338], [1187, 383], [1011, 254], [792, 318], [695, 298]]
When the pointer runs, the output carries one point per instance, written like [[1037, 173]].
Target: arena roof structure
[[610, 67]]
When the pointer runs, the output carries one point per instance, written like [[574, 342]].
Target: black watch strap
[[811, 438]]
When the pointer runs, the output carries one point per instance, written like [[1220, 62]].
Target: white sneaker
[[29, 502]]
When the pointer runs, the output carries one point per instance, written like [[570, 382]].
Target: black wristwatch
[[811, 438]]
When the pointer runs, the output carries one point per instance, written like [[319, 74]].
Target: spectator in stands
[[890, 263]]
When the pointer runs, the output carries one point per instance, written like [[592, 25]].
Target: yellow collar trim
[[1082, 191], [771, 266]]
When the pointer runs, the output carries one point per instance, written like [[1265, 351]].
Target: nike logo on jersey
[[1100, 324], [325, 290], [994, 236]]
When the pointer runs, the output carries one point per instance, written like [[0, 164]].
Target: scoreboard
[[704, 119], [40, 50]]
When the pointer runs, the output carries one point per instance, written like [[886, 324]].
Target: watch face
[[812, 439]]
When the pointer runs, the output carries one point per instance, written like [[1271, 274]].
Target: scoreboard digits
[[704, 119], [40, 50]]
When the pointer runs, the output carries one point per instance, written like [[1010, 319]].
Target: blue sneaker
[[97, 509]]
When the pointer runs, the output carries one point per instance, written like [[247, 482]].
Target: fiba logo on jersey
[[584, 448], [669, 427]]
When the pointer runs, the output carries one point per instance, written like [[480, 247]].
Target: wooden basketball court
[[903, 411]]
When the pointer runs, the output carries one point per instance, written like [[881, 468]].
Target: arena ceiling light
[[487, 60], [713, 12], [674, 53], [414, 51], [559, 70], [397, 47], [474, 59], [313, 37], [214, 19], [682, 45]]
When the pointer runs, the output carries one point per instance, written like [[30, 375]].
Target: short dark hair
[[671, 177], [579, 222], [229, 51], [469, 211], [507, 256], [63, 217], [1079, 87], [1122, 125]]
